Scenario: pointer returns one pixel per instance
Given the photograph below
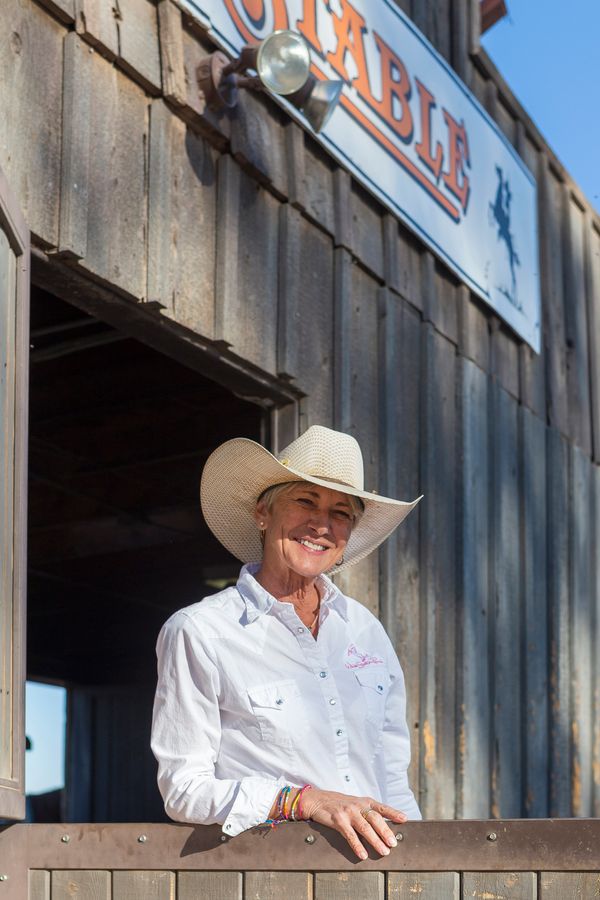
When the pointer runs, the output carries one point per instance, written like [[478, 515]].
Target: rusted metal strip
[[495, 845]]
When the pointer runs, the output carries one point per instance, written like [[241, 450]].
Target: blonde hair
[[271, 494]]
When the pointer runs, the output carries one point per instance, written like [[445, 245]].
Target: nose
[[319, 521]]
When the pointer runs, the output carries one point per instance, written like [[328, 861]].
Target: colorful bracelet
[[298, 799], [283, 814]]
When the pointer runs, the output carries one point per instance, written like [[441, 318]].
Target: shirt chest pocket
[[374, 684], [279, 711]]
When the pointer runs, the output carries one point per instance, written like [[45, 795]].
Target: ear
[[260, 514]]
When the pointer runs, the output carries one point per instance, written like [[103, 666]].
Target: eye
[[305, 500], [342, 514]]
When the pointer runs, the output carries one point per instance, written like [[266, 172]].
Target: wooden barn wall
[[249, 236]]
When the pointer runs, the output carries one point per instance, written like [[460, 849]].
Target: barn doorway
[[118, 436]]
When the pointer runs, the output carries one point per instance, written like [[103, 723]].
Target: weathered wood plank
[[473, 328], [504, 356], [247, 261], [39, 884], [305, 318], [558, 623], [532, 365], [460, 40], [506, 581], [505, 885], [258, 141], [402, 261], [85, 885], [182, 199], [593, 308], [210, 885], [438, 289], [75, 148], [581, 629], [595, 601], [438, 577], [445, 317], [356, 317], [563, 885], [349, 886], [367, 230], [534, 512], [214, 124], [424, 885], [474, 541], [295, 156], [576, 326], [141, 885], [552, 298], [117, 182], [31, 63], [276, 885], [400, 411], [63, 9], [170, 32], [96, 22], [317, 195], [139, 51], [343, 233]]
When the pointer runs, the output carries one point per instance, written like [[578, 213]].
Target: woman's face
[[306, 530]]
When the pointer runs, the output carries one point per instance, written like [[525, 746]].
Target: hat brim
[[238, 472]]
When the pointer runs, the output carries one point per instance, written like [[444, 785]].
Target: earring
[[340, 561]]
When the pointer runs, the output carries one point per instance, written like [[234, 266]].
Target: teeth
[[312, 546]]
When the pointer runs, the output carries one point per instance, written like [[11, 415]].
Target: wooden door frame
[[12, 222]]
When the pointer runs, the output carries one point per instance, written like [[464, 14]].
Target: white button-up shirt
[[247, 701]]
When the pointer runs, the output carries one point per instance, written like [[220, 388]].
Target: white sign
[[411, 132]]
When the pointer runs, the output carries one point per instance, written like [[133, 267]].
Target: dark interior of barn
[[118, 435]]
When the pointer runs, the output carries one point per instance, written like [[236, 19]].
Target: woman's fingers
[[368, 827], [378, 823], [389, 812]]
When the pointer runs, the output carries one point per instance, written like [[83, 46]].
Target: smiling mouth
[[309, 544]]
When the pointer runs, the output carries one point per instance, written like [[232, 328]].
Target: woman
[[280, 697]]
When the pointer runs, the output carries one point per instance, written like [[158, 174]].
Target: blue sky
[[547, 51], [45, 720]]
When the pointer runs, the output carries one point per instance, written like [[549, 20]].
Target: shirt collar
[[258, 601]]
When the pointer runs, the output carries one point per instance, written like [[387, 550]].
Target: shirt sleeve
[[186, 733], [393, 755]]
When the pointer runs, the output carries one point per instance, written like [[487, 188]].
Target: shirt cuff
[[252, 804]]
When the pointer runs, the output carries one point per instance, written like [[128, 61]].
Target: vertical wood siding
[[249, 236]]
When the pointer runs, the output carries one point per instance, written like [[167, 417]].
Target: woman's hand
[[345, 814]]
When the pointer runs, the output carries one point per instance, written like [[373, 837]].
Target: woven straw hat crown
[[330, 455], [240, 470]]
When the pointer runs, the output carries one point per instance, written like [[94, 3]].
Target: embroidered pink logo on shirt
[[358, 659]]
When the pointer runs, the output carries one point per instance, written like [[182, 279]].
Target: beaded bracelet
[[298, 799], [295, 810]]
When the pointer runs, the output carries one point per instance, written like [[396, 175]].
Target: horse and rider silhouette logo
[[500, 218]]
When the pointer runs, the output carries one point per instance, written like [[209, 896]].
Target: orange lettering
[[456, 179], [395, 90], [349, 30], [255, 10], [307, 26], [423, 148]]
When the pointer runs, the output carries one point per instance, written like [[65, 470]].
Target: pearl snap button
[[323, 674], [279, 701], [339, 732], [347, 777], [332, 701], [379, 687], [300, 630]]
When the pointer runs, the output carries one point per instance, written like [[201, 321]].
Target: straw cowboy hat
[[238, 472]]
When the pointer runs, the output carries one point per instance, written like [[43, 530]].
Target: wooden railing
[[542, 859]]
